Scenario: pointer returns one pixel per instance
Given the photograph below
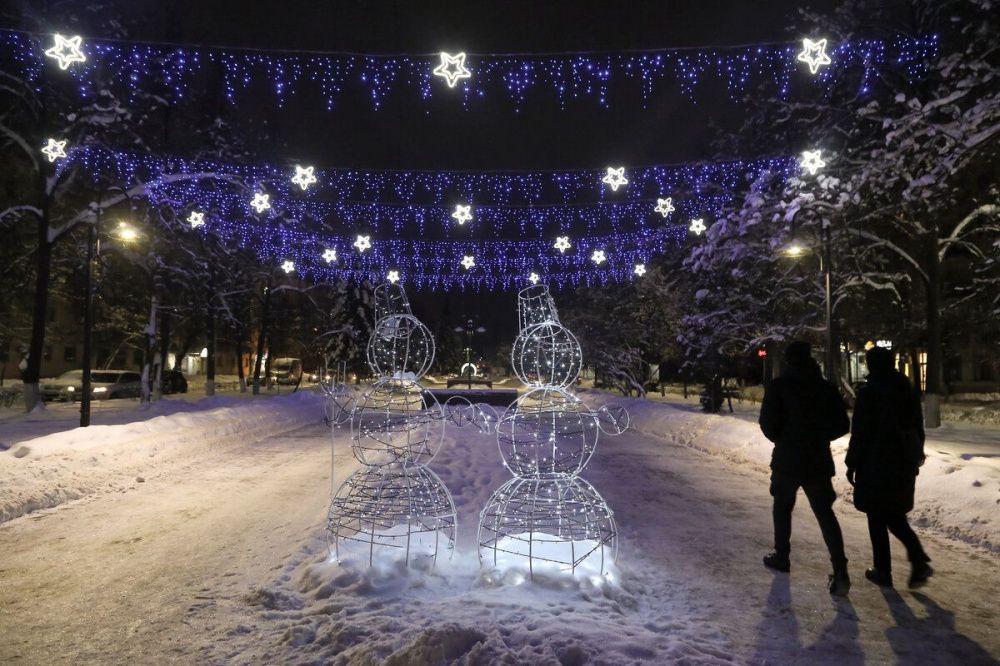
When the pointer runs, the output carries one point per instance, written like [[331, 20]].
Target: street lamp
[[796, 250], [469, 369]]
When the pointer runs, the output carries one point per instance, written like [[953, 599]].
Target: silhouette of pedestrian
[[883, 460], [801, 413]]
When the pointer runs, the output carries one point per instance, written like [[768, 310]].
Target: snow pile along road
[[48, 471], [958, 496]]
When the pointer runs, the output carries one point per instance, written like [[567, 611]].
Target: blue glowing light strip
[[563, 78]]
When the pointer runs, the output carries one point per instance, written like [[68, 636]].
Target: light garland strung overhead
[[814, 54], [329, 255], [462, 214], [303, 177], [54, 150], [664, 206], [812, 161], [640, 269], [565, 78], [697, 226], [288, 266], [362, 243], [196, 219], [260, 202], [615, 178]]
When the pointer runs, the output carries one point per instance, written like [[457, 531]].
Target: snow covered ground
[[219, 556]]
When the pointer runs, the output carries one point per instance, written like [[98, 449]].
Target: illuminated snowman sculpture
[[547, 518], [394, 507]]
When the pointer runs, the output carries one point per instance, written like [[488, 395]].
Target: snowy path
[[221, 561]]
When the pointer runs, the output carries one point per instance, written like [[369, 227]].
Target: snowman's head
[[547, 354], [400, 347]]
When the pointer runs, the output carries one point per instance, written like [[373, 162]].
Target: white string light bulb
[[66, 51], [304, 176], [664, 206], [697, 226], [196, 219], [615, 178], [261, 202], [452, 68], [462, 214], [54, 150], [363, 243], [812, 161], [814, 54]]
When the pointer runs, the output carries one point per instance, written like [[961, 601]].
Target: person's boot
[[840, 581], [880, 578], [919, 574], [778, 562]]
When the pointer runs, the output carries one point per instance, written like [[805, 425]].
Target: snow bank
[[47, 471], [957, 497]]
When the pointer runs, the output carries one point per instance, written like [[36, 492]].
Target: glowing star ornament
[[533, 278], [562, 244], [664, 206], [329, 255], [812, 161], [393, 277], [697, 226], [615, 178], [462, 214], [598, 257], [54, 150], [288, 266], [814, 54], [304, 176], [452, 68], [468, 261], [640, 269], [66, 51], [261, 202], [196, 219], [363, 243]]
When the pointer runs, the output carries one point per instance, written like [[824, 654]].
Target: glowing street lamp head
[[664, 206], [304, 176], [562, 244], [261, 202], [66, 51], [814, 54], [54, 150], [363, 243], [812, 161], [462, 214], [329, 255], [794, 250], [126, 232], [288, 266], [615, 178], [697, 226], [598, 257], [196, 219], [452, 68]]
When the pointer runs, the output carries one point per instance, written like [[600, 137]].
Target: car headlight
[[101, 389]]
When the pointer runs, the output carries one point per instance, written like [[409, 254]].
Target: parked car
[[174, 382], [110, 384], [62, 387], [286, 370]]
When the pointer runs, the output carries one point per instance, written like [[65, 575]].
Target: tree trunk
[[210, 371], [261, 337], [43, 274], [239, 362], [267, 366], [935, 387], [164, 351], [150, 366]]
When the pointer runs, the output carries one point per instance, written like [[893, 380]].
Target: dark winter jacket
[[887, 444], [801, 413]]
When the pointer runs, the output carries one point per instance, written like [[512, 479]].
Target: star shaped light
[[468, 261], [452, 68], [598, 257], [811, 161], [697, 226], [66, 51], [196, 219], [393, 277], [288, 266], [814, 53], [562, 244], [329, 255], [533, 278], [664, 206], [462, 214], [54, 149], [304, 176], [363, 243], [261, 201], [615, 178], [640, 269]]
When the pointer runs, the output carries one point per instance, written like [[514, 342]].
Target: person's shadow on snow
[[778, 631], [918, 640]]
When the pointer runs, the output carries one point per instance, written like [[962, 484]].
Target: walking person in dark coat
[[801, 413], [883, 460]]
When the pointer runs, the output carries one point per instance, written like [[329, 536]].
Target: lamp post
[[796, 250], [470, 330]]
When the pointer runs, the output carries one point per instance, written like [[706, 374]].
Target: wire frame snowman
[[547, 518], [395, 505]]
